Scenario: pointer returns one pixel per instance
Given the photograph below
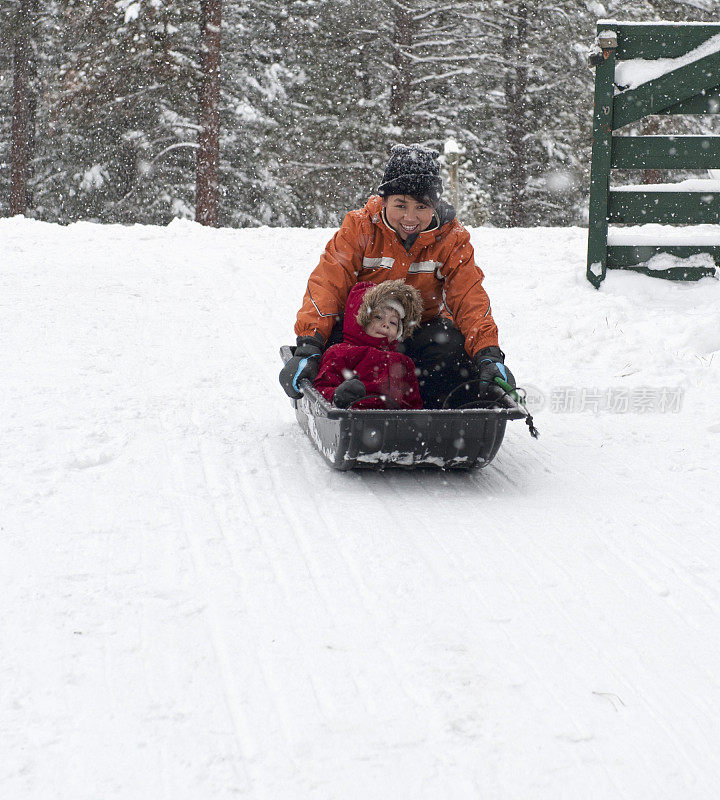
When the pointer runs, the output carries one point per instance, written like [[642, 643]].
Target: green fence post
[[601, 155]]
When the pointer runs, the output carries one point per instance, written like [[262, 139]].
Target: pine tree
[[24, 90], [313, 95], [255, 114], [300, 123], [538, 122], [119, 141], [7, 20]]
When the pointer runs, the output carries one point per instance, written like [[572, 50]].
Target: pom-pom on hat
[[414, 170]]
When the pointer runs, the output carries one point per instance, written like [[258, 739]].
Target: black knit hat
[[414, 170]]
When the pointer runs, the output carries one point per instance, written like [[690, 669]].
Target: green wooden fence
[[691, 87]]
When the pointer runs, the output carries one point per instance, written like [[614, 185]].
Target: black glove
[[490, 363], [348, 392], [305, 364]]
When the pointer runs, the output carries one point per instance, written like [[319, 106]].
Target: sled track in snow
[[203, 532]]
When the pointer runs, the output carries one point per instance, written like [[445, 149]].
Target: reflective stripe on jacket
[[440, 263]]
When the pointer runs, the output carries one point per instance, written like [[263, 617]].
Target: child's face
[[384, 322]]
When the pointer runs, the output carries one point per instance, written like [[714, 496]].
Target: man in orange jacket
[[406, 232]]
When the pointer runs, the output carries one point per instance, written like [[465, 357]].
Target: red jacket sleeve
[[334, 366]]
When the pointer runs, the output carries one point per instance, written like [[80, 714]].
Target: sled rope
[[516, 394], [520, 400]]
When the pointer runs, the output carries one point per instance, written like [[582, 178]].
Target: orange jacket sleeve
[[465, 297], [331, 281]]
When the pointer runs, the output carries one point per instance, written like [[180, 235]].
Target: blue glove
[[348, 392], [490, 362], [304, 365]]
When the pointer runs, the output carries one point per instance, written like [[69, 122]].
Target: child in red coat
[[367, 363]]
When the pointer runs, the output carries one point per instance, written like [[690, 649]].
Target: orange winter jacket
[[440, 264]]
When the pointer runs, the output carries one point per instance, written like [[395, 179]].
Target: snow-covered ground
[[195, 606]]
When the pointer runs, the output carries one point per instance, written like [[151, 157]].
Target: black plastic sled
[[407, 439]]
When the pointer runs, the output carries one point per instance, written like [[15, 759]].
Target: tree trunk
[[207, 193], [516, 83], [22, 130], [400, 90]]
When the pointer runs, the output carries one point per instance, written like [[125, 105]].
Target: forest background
[[313, 94]]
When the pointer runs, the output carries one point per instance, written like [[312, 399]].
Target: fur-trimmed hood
[[394, 294], [388, 376]]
